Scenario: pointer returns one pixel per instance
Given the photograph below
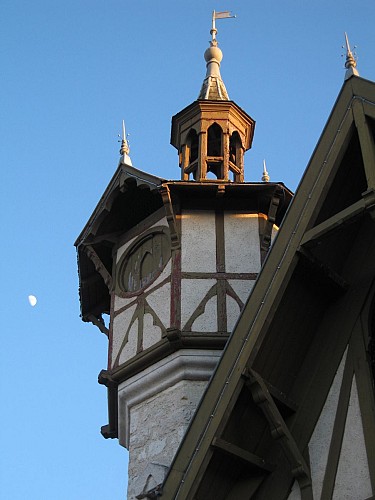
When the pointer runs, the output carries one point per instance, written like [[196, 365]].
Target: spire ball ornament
[[213, 87]]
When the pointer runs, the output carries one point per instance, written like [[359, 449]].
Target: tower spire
[[213, 87], [124, 150], [350, 63]]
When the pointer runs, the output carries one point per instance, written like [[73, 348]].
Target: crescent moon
[[32, 300]]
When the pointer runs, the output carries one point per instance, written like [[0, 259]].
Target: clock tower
[[172, 262]]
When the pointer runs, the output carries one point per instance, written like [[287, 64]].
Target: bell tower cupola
[[213, 133]]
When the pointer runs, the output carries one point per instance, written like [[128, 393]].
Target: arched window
[[236, 157], [214, 138], [235, 147], [143, 261], [192, 143]]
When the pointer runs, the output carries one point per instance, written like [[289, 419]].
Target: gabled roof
[[249, 436], [130, 196]]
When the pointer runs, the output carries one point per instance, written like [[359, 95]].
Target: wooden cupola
[[213, 133]]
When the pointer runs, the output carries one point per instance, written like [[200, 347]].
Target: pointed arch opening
[[214, 140], [193, 142], [215, 151], [189, 155], [236, 156]]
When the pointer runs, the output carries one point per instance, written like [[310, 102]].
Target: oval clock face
[[143, 261]]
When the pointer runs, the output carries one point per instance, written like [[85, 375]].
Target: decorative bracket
[[171, 219], [98, 322], [279, 429], [265, 237], [99, 266]]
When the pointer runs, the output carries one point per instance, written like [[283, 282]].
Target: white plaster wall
[[130, 348], [120, 302], [151, 333], [353, 476], [192, 293], [198, 241], [160, 301], [207, 322], [120, 325], [321, 437], [242, 288], [242, 246]]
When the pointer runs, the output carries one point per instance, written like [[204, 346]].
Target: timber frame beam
[[366, 140], [279, 430], [237, 451], [323, 272], [334, 223]]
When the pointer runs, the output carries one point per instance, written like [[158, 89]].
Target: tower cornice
[[199, 110]]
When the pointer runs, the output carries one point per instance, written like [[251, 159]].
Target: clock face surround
[[143, 261]]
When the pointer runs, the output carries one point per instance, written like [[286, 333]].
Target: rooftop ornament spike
[[265, 176], [213, 87], [124, 150], [350, 63]]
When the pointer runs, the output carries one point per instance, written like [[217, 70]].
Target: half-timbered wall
[[141, 316], [220, 261]]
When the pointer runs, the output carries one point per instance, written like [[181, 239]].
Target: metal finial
[[265, 176], [124, 150], [124, 143], [350, 62], [213, 29]]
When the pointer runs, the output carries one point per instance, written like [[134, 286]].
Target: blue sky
[[71, 71]]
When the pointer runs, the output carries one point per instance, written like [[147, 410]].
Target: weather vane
[[219, 15]]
